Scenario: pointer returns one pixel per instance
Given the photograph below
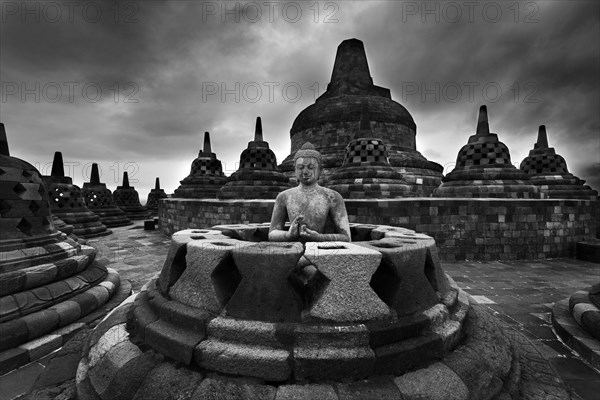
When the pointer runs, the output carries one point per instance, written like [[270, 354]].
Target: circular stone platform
[[231, 316]]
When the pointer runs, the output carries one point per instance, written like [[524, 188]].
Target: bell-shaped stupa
[[47, 280], [548, 170], [154, 196], [483, 169], [68, 203], [100, 200], [128, 200], [206, 175], [258, 176], [335, 118]]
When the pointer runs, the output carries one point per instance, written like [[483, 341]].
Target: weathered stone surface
[[130, 372], [306, 392], [218, 388], [265, 292], [240, 359], [332, 352], [168, 382], [347, 296], [173, 341], [210, 276], [437, 382], [376, 388]]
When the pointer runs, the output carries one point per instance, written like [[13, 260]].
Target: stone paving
[[521, 293]]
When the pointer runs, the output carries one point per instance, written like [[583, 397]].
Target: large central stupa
[[335, 119]]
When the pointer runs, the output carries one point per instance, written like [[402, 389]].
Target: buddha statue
[[316, 213]]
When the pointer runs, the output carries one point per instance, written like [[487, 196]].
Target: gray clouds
[[171, 53]]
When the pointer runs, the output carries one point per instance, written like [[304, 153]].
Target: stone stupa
[[483, 169], [128, 200], [99, 199], [47, 280], [366, 171], [258, 176], [206, 175], [548, 170], [67, 203], [335, 118], [154, 196]]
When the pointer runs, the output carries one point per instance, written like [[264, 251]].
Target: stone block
[[306, 392], [375, 388], [275, 335], [112, 337], [121, 372], [179, 314], [347, 296], [173, 341], [406, 355], [42, 346], [41, 322], [383, 332], [68, 311], [436, 382], [117, 316], [336, 363], [210, 276], [265, 292], [271, 364], [12, 358], [143, 315]]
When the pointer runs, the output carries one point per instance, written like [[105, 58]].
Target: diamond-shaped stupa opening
[[385, 281], [24, 226], [34, 207], [19, 189], [4, 207], [225, 278]]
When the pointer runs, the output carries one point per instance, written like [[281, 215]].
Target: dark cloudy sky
[[133, 85]]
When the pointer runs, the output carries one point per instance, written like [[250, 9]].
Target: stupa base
[[494, 361]]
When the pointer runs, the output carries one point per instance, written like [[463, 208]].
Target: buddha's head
[[307, 164]]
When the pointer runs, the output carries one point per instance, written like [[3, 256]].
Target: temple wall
[[464, 229]]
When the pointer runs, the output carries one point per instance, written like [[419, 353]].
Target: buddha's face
[[307, 170]]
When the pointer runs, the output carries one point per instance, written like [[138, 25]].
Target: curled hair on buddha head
[[308, 150]]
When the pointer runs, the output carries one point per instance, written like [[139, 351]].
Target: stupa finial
[[483, 127], [3, 141], [58, 169], [542, 139], [125, 179], [351, 64], [258, 136], [95, 177], [206, 148], [157, 184]]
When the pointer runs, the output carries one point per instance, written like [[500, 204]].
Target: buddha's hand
[[309, 235], [295, 228]]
